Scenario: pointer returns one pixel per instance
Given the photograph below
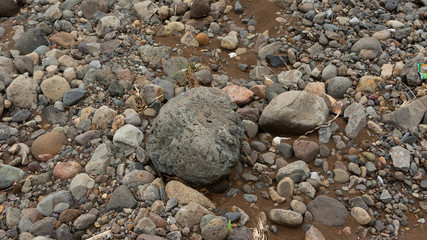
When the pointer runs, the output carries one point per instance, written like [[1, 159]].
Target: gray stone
[[12, 216], [240, 233], [216, 229], [21, 116], [191, 214], [43, 227], [409, 116], [7, 69], [121, 198], [307, 189], [99, 161], [63, 232], [285, 187], [145, 10], [84, 221], [128, 138], [282, 3], [45, 206], [251, 128], [145, 225], [258, 72], [250, 198], [285, 149], [269, 49], [401, 157], [24, 64], [70, 4], [289, 78], [337, 86], [367, 43], [356, 119], [153, 55], [196, 136], [107, 24], [409, 71], [298, 171], [30, 40], [73, 96], [328, 211], [173, 66], [25, 223], [329, 72], [294, 112], [391, 5], [385, 196], [55, 116], [358, 202], [204, 77], [9, 175], [285, 217]]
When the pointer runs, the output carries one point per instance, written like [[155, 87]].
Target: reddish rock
[[238, 95], [48, 143], [202, 39], [67, 170], [45, 157], [63, 39], [70, 215], [305, 150]]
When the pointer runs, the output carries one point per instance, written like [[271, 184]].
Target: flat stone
[[401, 157], [328, 211], [185, 194]]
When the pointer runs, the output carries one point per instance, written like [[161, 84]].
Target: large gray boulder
[[408, 116], [294, 112], [196, 136]]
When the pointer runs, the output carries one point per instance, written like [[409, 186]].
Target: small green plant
[[186, 78], [229, 225]]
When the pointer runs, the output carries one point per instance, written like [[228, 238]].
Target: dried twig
[[324, 125], [101, 235]]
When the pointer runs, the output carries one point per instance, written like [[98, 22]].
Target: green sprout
[[229, 225]]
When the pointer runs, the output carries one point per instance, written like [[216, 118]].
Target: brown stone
[[70, 215], [8, 8], [260, 91], [203, 39], [63, 39], [305, 150], [48, 143], [317, 88]]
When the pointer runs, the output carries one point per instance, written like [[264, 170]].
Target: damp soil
[[330, 232]]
